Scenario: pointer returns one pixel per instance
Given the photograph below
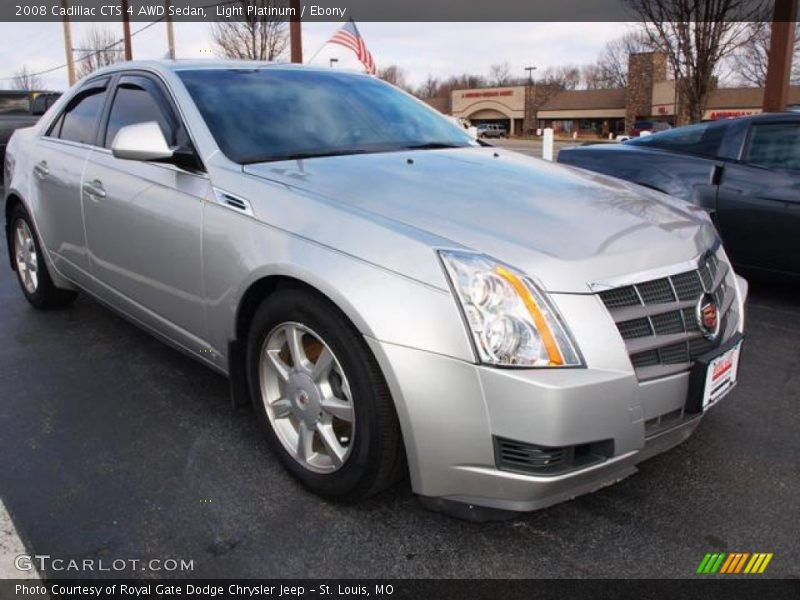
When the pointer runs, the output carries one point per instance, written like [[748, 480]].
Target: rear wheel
[[321, 398], [31, 266]]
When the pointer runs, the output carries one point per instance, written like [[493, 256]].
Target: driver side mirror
[[142, 141]]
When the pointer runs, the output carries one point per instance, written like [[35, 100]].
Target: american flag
[[349, 37]]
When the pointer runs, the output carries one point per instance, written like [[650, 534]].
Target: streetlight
[[332, 62], [530, 93]]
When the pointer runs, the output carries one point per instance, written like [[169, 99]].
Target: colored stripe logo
[[734, 562]]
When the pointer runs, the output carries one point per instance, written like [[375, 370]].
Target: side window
[[775, 146], [78, 123], [134, 103]]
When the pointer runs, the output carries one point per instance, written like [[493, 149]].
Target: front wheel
[[30, 264], [321, 398]]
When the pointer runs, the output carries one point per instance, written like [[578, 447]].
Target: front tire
[[323, 403], [31, 266]]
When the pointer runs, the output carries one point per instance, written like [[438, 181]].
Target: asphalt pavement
[[533, 147], [115, 446]]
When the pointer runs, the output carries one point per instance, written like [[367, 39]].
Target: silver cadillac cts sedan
[[393, 297]]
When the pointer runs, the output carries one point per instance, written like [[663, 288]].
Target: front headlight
[[512, 322]]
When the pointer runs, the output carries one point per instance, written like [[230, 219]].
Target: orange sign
[[487, 94]]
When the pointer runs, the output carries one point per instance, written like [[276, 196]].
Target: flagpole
[[313, 56], [360, 50]]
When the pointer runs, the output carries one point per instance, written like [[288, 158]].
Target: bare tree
[[611, 69], [696, 36], [749, 62], [464, 81], [254, 37], [26, 80], [592, 77], [98, 48], [429, 88], [500, 74], [394, 75], [564, 77]]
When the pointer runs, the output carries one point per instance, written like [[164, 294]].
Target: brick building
[[596, 113]]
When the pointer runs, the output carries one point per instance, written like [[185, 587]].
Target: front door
[[144, 221], [758, 202]]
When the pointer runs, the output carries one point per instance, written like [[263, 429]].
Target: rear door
[[144, 219], [61, 155], [758, 201]]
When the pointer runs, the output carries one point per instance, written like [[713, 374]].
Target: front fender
[[240, 251]]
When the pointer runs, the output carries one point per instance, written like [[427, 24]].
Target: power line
[[86, 56], [117, 43]]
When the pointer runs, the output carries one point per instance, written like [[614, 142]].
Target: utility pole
[[170, 32], [126, 30], [68, 46], [295, 33], [781, 48]]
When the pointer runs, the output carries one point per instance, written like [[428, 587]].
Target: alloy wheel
[[26, 257], [307, 397]]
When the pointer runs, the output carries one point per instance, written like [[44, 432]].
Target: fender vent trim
[[232, 202]]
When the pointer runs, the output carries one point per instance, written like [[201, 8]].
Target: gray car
[[393, 298], [491, 130]]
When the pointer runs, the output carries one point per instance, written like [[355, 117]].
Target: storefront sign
[[713, 115], [487, 94]]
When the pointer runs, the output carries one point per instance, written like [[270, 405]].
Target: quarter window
[[133, 104], [78, 123], [775, 146]]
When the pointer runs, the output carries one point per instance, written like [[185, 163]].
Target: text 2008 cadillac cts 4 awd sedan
[[392, 297]]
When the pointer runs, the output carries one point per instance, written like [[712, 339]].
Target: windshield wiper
[[303, 155], [432, 146]]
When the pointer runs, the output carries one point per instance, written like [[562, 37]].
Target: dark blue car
[[745, 172]]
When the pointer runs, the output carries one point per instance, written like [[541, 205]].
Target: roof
[[214, 63], [8, 93], [586, 99], [745, 97]]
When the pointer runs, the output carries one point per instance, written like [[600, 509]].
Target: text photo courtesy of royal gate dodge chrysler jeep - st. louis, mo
[[303, 292]]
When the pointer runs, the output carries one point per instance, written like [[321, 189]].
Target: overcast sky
[[440, 49]]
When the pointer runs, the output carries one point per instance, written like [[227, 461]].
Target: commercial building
[[596, 113]]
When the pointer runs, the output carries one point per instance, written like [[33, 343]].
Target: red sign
[[729, 114], [488, 94]]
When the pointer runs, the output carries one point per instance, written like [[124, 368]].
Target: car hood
[[566, 227]]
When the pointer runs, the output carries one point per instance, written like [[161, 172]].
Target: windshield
[[259, 115], [702, 139]]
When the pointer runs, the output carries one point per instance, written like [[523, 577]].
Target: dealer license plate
[[721, 376]]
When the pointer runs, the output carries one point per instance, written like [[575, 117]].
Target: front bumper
[[451, 412]]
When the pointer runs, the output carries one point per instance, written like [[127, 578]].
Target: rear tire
[[353, 447], [31, 265]]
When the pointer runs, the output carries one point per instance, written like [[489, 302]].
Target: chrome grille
[[657, 320]]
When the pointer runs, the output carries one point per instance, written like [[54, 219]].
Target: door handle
[[94, 188], [41, 170]]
